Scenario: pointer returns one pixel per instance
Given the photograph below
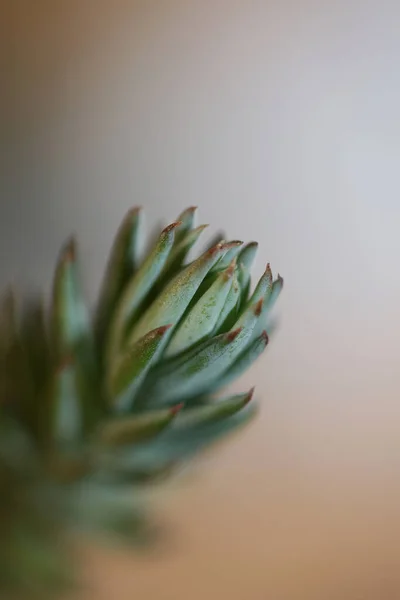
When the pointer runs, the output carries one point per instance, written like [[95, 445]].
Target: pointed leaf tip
[[232, 335], [161, 330], [68, 253], [171, 226], [174, 410], [249, 396], [232, 244], [264, 335], [135, 209]]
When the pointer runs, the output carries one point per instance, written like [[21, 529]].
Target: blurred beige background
[[281, 121]]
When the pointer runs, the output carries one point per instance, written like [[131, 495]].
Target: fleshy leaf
[[122, 263], [186, 219], [231, 306], [245, 360], [172, 302], [214, 411], [226, 260], [200, 372], [180, 443], [180, 251], [245, 262], [139, 287], [263, 288], [271, 298], [129, 370], [203, 316], [137, 428], [69, 315]]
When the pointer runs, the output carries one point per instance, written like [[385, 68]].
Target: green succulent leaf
[[122, 263], [181, 442], [130, 368], [187, 220], [212, 412], [69, 315], [174, 299], [202, 318], [271, 297], [180, 252], [136, 428], [201, 370], [226, 260], [263, 288], [139, 287], [245, 360], [245, 262], [231, 307]]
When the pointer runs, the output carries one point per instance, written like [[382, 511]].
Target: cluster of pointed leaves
[[121, 395]]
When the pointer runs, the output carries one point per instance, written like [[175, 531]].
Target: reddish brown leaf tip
[[231, 244], [171, 226], [175, 409], [264, 335], [161, 330], [214, 249], [134, 211], [69, 251], [280, 279], [191, 209], [232, 335], [249, 396], [258, 307]]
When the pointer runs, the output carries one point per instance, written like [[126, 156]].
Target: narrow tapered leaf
[[271, 297], [226, 260], [263, 288], [69, 316], [180, 443], [213, 412], [202, 318], [200, 372], [245, 262], [172, 302], [181, 250], [122, 263], [186, 220], [244, 361], [129, 370], [130, 430], [138, 288], [231, 306], [188, 377]]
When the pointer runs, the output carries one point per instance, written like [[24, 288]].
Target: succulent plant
[[93, 404]]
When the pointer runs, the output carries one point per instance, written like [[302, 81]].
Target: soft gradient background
[[281, 121]]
